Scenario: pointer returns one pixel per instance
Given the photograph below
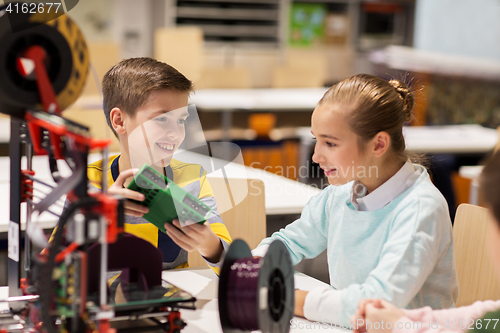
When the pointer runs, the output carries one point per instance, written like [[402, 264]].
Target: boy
[[145, 104]]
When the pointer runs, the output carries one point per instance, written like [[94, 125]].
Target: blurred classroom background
[[259, 67], [448, 52]]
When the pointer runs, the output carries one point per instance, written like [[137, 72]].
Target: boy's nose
[[170, 133], [170, 129]]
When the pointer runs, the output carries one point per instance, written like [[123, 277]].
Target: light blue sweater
[[402, 252]]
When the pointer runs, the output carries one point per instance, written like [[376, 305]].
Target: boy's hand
[[131, 208], [196, 236]]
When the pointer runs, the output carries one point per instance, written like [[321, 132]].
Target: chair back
[[476, 275], [497, 146], [246, 220]]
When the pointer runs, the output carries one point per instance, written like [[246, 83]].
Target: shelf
[[239, 31], [228, 13]]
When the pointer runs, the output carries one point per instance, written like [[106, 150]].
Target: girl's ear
[[381, 143], [116, 118]]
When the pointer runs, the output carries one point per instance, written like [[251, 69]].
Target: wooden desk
[[450, 139], [287, 99]]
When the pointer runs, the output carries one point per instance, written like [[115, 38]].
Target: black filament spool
[[275, 294], [67, 60]]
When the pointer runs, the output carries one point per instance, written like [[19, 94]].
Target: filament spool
[[67, 59], [256, 293]]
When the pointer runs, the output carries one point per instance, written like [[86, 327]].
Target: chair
[[246, 220], [497, 146], [477, 278], [472, 173]]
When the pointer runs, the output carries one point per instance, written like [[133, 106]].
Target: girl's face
[[337, 151], [494, 243]]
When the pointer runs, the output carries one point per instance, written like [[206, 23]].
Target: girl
[[378, 310], [385, 227]]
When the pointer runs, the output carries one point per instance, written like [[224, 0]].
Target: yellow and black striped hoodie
[[192, 178]]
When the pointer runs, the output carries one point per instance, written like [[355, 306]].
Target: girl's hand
[[362, 306], [196, 236], [358, 320], [300, 299], [382, 312], [377, 307], [131, 208]]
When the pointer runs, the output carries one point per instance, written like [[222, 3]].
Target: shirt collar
[[385, 193], [115, 171]]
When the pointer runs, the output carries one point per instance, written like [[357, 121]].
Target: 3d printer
[[43, 68]]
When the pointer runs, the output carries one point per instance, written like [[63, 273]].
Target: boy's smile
[[166, 146]]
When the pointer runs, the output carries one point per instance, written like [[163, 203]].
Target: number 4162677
[[33, 8]]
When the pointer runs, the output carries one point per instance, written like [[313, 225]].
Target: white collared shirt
[[388, 191]]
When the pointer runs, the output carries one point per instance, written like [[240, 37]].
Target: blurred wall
[[461, 27]]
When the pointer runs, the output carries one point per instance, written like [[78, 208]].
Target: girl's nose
[[317, 156]]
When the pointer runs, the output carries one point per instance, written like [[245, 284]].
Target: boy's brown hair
[[490, 185], [128, 84]]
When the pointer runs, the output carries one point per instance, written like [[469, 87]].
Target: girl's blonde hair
[[373, 105]]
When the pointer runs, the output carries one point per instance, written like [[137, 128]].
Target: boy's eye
[[181, 121], [330, 144], [162, 119]]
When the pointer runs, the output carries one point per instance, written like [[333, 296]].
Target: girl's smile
[[329, 172], [336, 151]]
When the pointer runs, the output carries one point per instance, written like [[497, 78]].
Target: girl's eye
[[181, 121], [161, 119], [330, 144]]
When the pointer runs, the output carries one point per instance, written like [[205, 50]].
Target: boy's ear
[[381, 143], [116, 119]]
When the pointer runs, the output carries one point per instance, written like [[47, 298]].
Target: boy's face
[[157, 130], [336, 151]]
